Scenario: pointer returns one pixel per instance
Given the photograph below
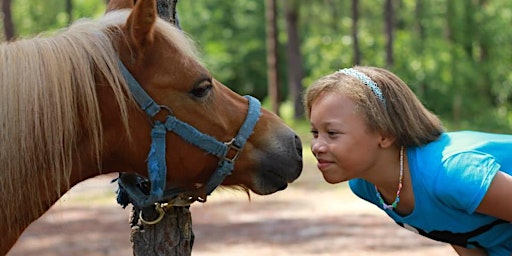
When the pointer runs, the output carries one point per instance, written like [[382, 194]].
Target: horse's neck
[[19, 215]]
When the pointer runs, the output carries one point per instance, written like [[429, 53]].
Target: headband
[[366, 80]]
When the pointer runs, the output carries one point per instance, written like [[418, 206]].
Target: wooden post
[[173, 235]]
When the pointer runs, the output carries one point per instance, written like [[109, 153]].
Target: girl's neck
[[386, 171], [387, 179]]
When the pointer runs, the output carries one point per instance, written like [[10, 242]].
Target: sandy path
[[309, 218]]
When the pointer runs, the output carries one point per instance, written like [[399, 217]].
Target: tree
[[420, 45], [7, 19], [69, 10], [272, 55], [355, 38], [388, 16], [295, 64]]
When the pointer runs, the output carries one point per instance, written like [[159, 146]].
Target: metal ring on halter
[[162, 107], [161, 213], [167, 108]]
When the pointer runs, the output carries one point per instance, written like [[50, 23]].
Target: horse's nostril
[[298, 145]]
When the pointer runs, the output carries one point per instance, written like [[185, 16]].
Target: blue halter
[[157, 168]]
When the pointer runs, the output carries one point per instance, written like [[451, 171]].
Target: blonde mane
[[47, 85]]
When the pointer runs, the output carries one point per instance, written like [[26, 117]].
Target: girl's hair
[[398, 112]]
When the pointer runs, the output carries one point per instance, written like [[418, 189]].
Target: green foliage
[[231, 34], [458, 64], [459, 67], [33, 16], [88, 8]]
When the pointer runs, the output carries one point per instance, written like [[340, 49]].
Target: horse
[[71, 109]]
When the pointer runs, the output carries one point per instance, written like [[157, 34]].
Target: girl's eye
[[332, 133], [314, 133]]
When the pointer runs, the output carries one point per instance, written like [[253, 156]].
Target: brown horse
[[67, 114]]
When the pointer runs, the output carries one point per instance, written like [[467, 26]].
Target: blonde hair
[[47, 90], [402, 115]]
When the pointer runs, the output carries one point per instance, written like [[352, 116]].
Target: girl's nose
[[317, 147]]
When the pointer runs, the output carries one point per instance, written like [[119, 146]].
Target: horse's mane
[[47, 85]]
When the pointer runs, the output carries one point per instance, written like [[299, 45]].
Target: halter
[[157, 168]]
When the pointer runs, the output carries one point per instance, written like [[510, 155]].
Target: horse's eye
[[201, 89]]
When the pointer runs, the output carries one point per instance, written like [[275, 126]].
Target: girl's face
[[342, 144]]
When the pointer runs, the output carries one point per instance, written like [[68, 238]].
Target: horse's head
[[162, 60]]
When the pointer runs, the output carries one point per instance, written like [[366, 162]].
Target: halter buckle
[[231, 146]]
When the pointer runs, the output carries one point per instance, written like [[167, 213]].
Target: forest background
[[455, 55]]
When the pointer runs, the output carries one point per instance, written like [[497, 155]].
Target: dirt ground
[[309, 218]]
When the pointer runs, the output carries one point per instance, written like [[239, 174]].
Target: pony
[[68, 113]]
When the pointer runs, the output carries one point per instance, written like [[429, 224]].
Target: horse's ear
[[120, 4], [140, 23]]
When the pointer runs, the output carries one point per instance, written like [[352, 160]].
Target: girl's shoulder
[[458, 168], [465, 179]]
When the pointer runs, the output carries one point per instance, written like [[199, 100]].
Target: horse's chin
[[275, 175], [269, 182], [269, 190]]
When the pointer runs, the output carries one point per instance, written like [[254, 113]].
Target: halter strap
[[145, 102], [157, 168]]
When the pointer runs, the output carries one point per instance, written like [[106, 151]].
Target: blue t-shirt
[[450, 177]]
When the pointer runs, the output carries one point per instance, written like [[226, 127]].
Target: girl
[[371, 130]]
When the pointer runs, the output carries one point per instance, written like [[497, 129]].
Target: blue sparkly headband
[[367, 81]]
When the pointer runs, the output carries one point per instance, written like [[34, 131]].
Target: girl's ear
[[386, 140]]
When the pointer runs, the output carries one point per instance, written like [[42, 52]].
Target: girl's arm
[[497, 202], [469, 252]]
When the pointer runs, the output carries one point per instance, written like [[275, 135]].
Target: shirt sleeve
[[465, 180]]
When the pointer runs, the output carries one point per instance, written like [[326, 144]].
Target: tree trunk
[[69, 11], [420, 45], [355, 38], [173, 235], [452, 39], [7, 19], [388, 16], [295, 66], [273, 82], [167, 11]]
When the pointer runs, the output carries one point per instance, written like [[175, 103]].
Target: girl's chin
[[332, 180]]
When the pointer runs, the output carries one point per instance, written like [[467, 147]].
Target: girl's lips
[[322, 164]]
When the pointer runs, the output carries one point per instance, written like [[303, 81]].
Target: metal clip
[[231, 146]]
